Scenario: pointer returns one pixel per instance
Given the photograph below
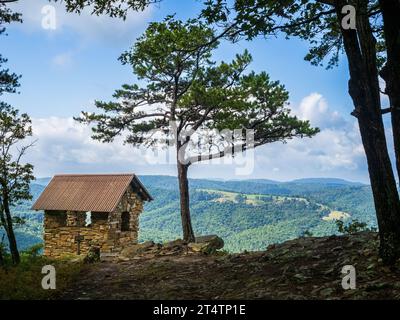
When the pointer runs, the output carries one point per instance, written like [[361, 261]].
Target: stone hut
[[84, 211]]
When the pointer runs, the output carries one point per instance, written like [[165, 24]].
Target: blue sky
[[65, 69]]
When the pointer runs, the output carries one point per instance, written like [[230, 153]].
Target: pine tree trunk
[[391, 72], [384, 189], [1, 253], [188, 234], [364, 89], [10, 231]]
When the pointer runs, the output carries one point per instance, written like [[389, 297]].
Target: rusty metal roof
[[86, 192]]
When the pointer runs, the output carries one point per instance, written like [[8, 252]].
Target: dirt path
[[306, 268]]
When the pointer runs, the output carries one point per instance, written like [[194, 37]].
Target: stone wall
[[118, 239], [61, 229], [60, 238]]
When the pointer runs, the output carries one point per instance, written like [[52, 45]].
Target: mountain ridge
[[324, 180], [248, 215]]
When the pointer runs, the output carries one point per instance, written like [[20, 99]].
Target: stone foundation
[[61, 229]]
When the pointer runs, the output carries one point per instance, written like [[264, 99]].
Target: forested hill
[[247, 214]]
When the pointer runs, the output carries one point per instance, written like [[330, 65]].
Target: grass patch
[[23, 282]]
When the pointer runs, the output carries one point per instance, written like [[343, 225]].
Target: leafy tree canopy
[[184, 85], [314, 21], [8, 80], [15, 176], [113, 8]]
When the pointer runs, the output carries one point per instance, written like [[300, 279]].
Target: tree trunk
[[383, 187], [1, 253], [10, 231], [391, 71], [364, 89], [188, 234], [4, 225]]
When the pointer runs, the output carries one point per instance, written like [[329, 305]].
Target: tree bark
[[8, 226], [391, 72], [1, 258], [364, 90], [188, 234], [1, 253]]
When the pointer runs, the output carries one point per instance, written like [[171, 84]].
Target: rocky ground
[[305, 268]]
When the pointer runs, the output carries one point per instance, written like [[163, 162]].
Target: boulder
[[213, 240], [175, 243], [136, 249], [207, 244], [146, 245], [149, 249]]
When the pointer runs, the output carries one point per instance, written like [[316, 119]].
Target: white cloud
[[337, 151], [329, 154], [315, 108], [384, 98], [88, 26], [66, 146]]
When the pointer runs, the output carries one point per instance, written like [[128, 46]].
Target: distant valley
[[247, 214]]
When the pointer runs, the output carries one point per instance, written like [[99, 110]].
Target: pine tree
[[186, 91]]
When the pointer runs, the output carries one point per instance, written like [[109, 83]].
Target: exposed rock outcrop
[[304, 268], [204, 245]]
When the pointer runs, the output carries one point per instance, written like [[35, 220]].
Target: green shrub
[[33, 251], [307, 233], [352, 227]]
